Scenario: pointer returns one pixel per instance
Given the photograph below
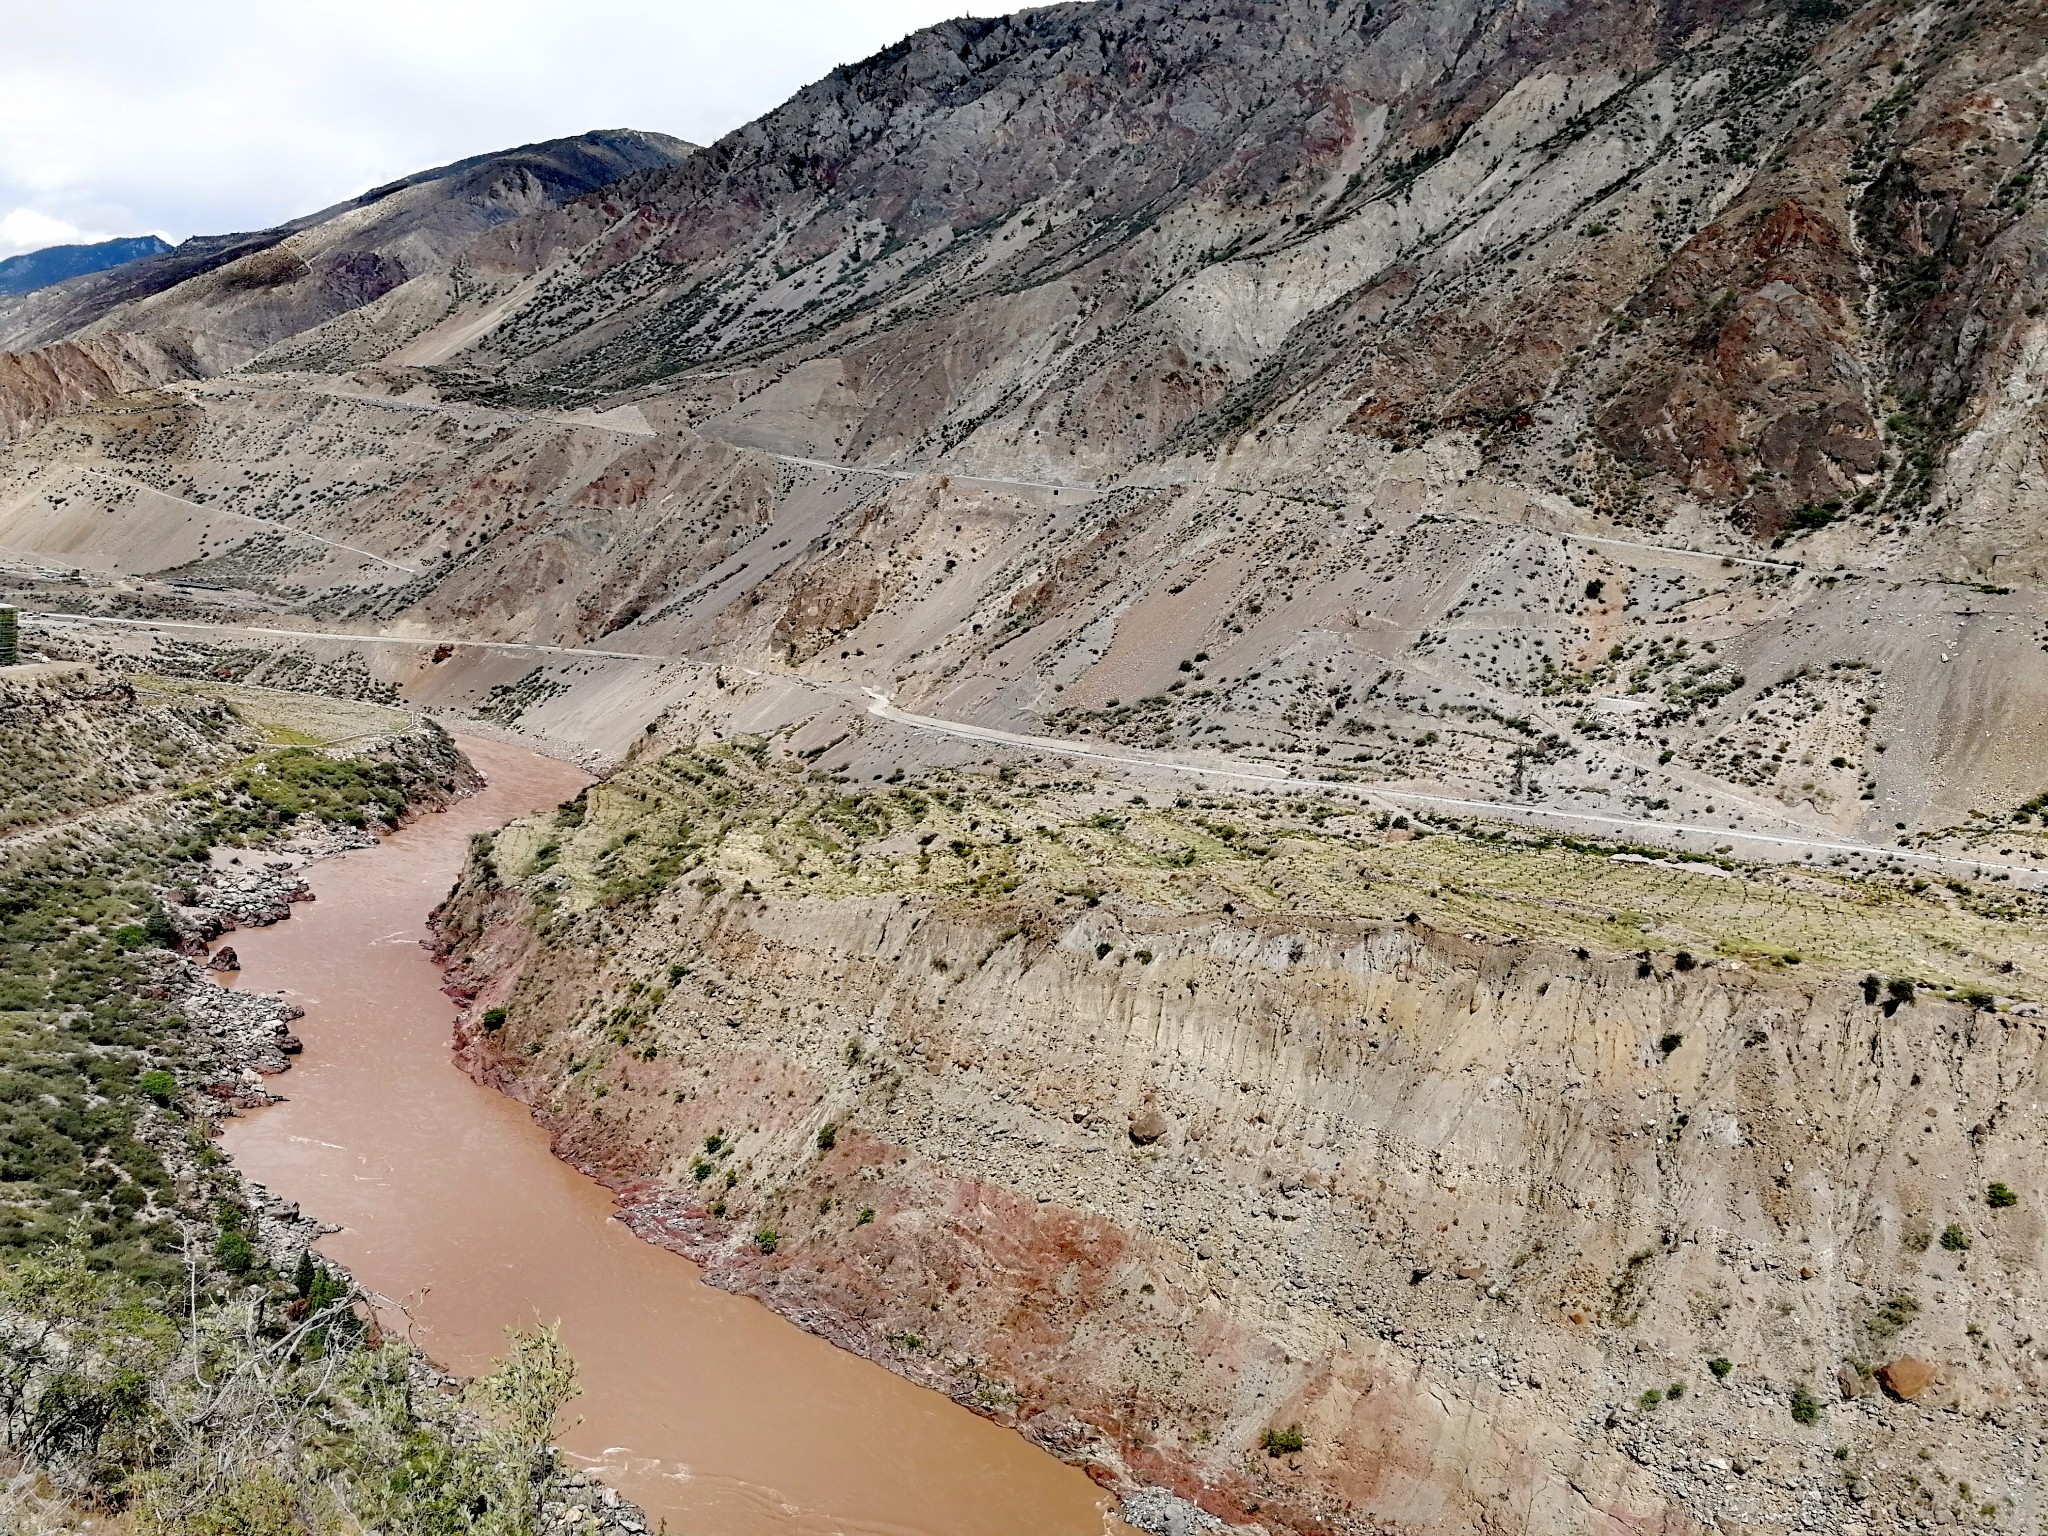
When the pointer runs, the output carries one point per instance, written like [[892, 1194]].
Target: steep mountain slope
[[1157, 1127], [216, 301], [1079, 238], [56, 263], [1615, 403]]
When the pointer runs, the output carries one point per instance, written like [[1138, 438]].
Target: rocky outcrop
[[234, 1039], [57, 380]]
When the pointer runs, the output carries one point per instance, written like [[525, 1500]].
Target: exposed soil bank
[[708, 1410]]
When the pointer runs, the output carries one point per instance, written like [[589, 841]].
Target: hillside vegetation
[[171, 1354]]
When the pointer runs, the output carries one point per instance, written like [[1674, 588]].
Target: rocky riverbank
[[178, 1356]]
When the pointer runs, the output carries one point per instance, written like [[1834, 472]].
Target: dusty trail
[[521, 647], [1535, 815]]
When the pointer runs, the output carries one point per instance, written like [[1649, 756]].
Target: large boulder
[[1147, 1126], [1908, 1376]]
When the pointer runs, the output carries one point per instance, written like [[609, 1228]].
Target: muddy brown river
[[708, 1410]]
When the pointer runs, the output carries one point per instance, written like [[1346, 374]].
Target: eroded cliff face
[[1150, 1173]]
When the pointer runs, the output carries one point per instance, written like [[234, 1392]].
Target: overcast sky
[[186, 117]]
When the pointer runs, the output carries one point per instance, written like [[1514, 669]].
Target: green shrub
[[828, 1137], [158, 1085], [1954, 1238], [1650, 1398], [2000, 1196], [494, 1019], [1720, 1366], [867, 1214], [234, 1252], [766, 1239], [1894, 1314], [1805, 1407], [1281, 1442]]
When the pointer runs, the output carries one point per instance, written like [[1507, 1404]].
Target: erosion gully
[[708, 1410]]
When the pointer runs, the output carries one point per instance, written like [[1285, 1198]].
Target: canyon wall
[[1152, 1178]]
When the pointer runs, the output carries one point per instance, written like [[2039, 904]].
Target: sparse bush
[[1805, 1407], [1720, 1366], [1896, 1311], [867, 1214], [766, 1239], [1954, 1238], [2000, 1196], [1281, 1442], [494, 1019], [828, 1137], [159, 1085]]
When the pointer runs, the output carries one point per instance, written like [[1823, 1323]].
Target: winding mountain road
[[1263, 776]]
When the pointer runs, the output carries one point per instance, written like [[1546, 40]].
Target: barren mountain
[[1632, 401], [1613, 417], [212, 303]]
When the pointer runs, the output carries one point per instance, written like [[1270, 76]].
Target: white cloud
[[27, 230], [200, 116]]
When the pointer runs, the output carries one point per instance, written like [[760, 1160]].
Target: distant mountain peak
[[56, 263]]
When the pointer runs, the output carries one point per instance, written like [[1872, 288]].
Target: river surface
[[707, 1409]]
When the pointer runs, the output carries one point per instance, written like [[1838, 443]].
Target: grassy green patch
[[696, 824]]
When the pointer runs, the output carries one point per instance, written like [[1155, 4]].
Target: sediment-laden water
[[711, 1412]]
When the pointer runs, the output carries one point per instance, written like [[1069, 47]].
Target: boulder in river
[[224, 959]]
